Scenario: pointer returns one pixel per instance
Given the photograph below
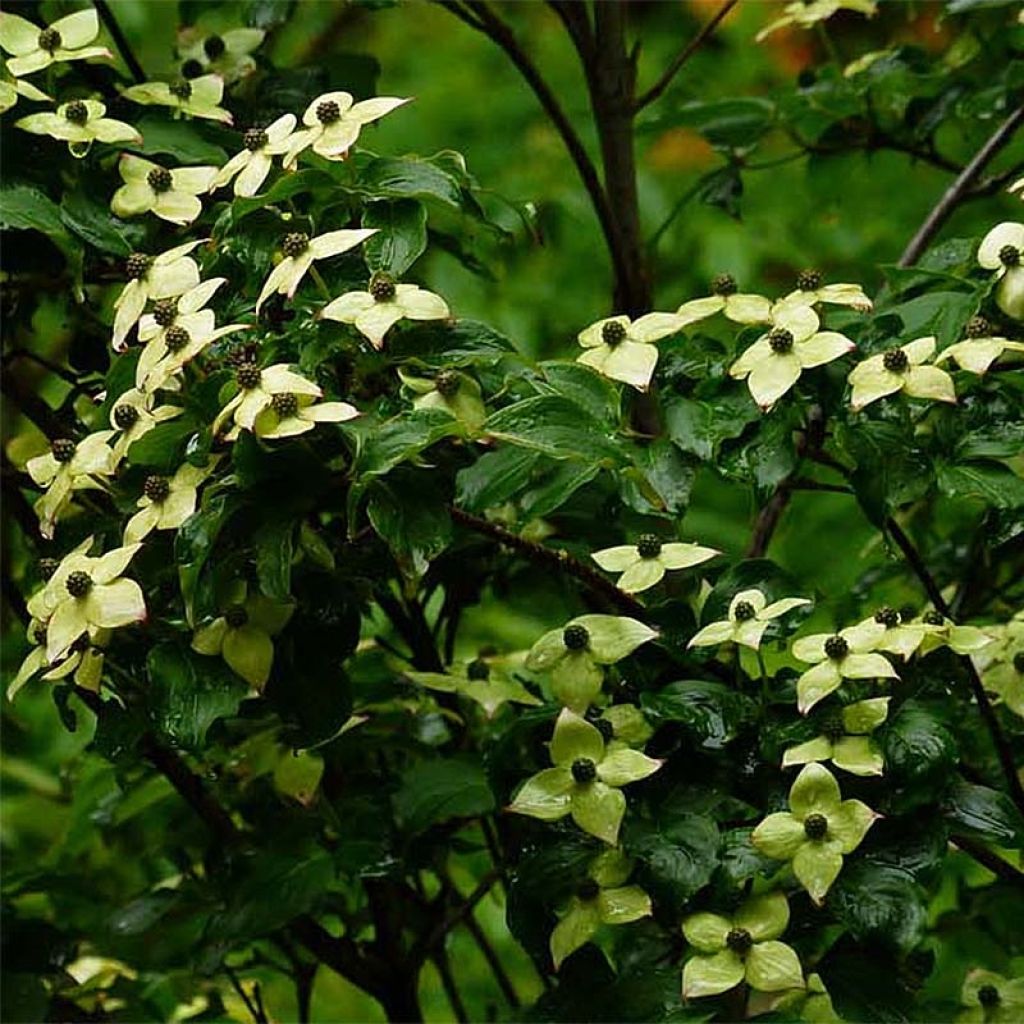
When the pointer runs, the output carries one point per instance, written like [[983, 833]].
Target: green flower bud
[[648, 545], [176, 338], [744, 611], [49, 40], [809, 280], [328, 112], [1009, 256], [254, 139], [815, 826], [183, 90], [77, 112], [165, 311], [137, 265], [248, 376], [887, 617], [156, 488], [63, 449], [781, 340], [724, 284], [382, 287], [213, 47], [191, 68], [160, 179], [739, 940], [47, 567], [236, 616], [285, 405], [78, 583], [978, 327], [576, 638], [612, 333], [895, 360], [295, 243], [584, 770], [126, 416], [836, 647]]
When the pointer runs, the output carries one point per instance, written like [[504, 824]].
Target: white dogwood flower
[[150, 188], [645, 563], [167, 502], [226, 53], [33, 49], [79, 124], [256, 391], [135, 414], [740, 307], [66, 468], [749, 616], [250, 167], [1002, 250], [624, 349], [901, 369], [197, 97], [811, 290]]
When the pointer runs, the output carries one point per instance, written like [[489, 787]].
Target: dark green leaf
[[986, 813], [401, 235], [435, 791]]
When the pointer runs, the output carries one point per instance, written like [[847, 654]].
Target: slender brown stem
[[122, 44], [451, 990], [683, 56], [988, 714], [553, 557], [960, 188]]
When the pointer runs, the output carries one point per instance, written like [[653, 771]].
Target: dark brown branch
[[988, 714], [960, 188], [683, 56], [555, 558], [122, 44], [984, 856], [451, 990], [478, 16]]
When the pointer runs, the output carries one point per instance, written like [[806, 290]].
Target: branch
[[960, 188], [478, 16], [122, 44], [553, 557], [683, 56], [984, 856], [988, 714]]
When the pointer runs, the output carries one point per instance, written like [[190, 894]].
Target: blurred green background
[[845, 214]]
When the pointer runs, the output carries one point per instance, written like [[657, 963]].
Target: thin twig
[[553, 557], [256, 1009], [493, 961], [683, 56], [444, 970], [984, 856], [479, 17], [960, 188], [988, 714], [122, 44]]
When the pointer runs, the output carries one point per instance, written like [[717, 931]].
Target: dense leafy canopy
[[417, 597]]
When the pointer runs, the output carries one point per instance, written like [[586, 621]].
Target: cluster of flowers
[[793, 341]]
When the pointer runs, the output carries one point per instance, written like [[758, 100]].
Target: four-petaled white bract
[[640, 572], [92, 458], [250, 167], [374, 317], [854, 751], [748, 629], [976, 355], [178, 203], [629, 356], [1002, 250], [872, 379], [79, 135], [21, 39], [171, 511], [198, 97]]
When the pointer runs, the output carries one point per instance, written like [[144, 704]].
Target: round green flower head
[[743, 947], [819, 828]]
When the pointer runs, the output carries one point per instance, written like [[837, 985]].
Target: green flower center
[[126, 416], [248, 376], [47, 567], [176, 338], [137, 265], [815, 826], [724, 284], [1018, 662], [648, 545], [447, 383], [156, 488], [213, 47], [236, 616], [588, 890], [382, 288], [833, 727], [744, 611], [63, 449], [934, 618], [978, 327], [781, 340], [612, 333], [478, 671], [988, 995], [895, 360], [183, 90], [739, 940], [295, 243], [285, 405], [328, 112], [836, 647], [165, 311], [160, 179], [191, 68], [809, 280], [49, 40], [254, 139], [584, 770], [76, 112], [887, 617], [576, 638], [78, 583], [1009, 256]]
